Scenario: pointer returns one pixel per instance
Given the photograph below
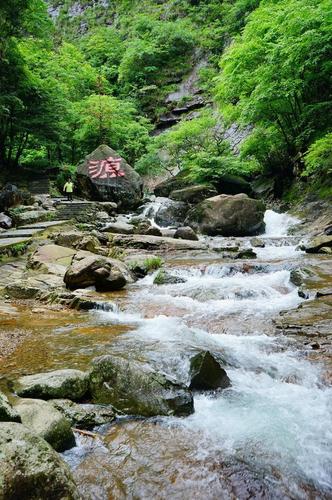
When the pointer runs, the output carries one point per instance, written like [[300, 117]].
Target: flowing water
[[268, 436]]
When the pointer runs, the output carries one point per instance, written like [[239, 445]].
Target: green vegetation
[[100, 72], [150, 264]]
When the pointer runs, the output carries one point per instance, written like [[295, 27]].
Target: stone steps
[[69, 209], [24, 234]]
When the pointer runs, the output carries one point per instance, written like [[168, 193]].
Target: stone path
[[23, 234]]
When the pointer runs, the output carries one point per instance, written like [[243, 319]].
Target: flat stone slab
[[44, 225], [17, 233], [8, 242]]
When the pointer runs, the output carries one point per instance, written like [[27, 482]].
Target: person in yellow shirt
[[68, 189]]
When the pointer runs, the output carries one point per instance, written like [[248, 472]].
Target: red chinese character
[[103, 169]]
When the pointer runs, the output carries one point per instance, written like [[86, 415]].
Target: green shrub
[[318, 159]]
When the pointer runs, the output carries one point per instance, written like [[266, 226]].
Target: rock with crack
[[68, 383], [52, 259], [136, 388], [102, 272], [42, 418], [84, 416], [30, 467]]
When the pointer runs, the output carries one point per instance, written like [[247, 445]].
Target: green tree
[[103, 119], [277, 76]]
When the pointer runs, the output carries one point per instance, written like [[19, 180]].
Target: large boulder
[[193, 194], [71, 384], [105, 176], [7, 412], [206, 373], [137, 389], [228, 215], [102, 272], [30, 468], [171, 213], [46, 421]]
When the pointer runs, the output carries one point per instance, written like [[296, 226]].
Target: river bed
[[268, 436]]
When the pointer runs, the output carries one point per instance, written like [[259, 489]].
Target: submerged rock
[[102, 272], [71, 384], [106, 176], [227, 215], [166, 278], [206, 373], [30, 468], [84, 416], [42, 418], [7, 412], [137, 389]]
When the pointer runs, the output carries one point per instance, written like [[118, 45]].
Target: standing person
[[68, 189]]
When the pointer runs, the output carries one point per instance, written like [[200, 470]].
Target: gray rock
[[104, 273], [145, 227], [156, 243], [5, 221], [30, 468], [125, 191], [102, 216], [68, 384], [166, 278], [206, 373], [136, 389], [84, 416], [257, 243], [119, 228], [179, 181], [193, 194], [318, 242], [30, 216], [186, 233], [246, 253], [171, 213], [7, 412], [228, 215], [43, 419]]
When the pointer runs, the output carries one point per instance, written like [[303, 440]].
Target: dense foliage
[[74, 74]]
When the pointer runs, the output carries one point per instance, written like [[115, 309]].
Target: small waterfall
[[278, 224]]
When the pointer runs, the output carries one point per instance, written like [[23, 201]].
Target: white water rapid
[[276, 416]]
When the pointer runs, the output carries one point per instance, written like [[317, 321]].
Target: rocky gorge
[[186, 344]]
